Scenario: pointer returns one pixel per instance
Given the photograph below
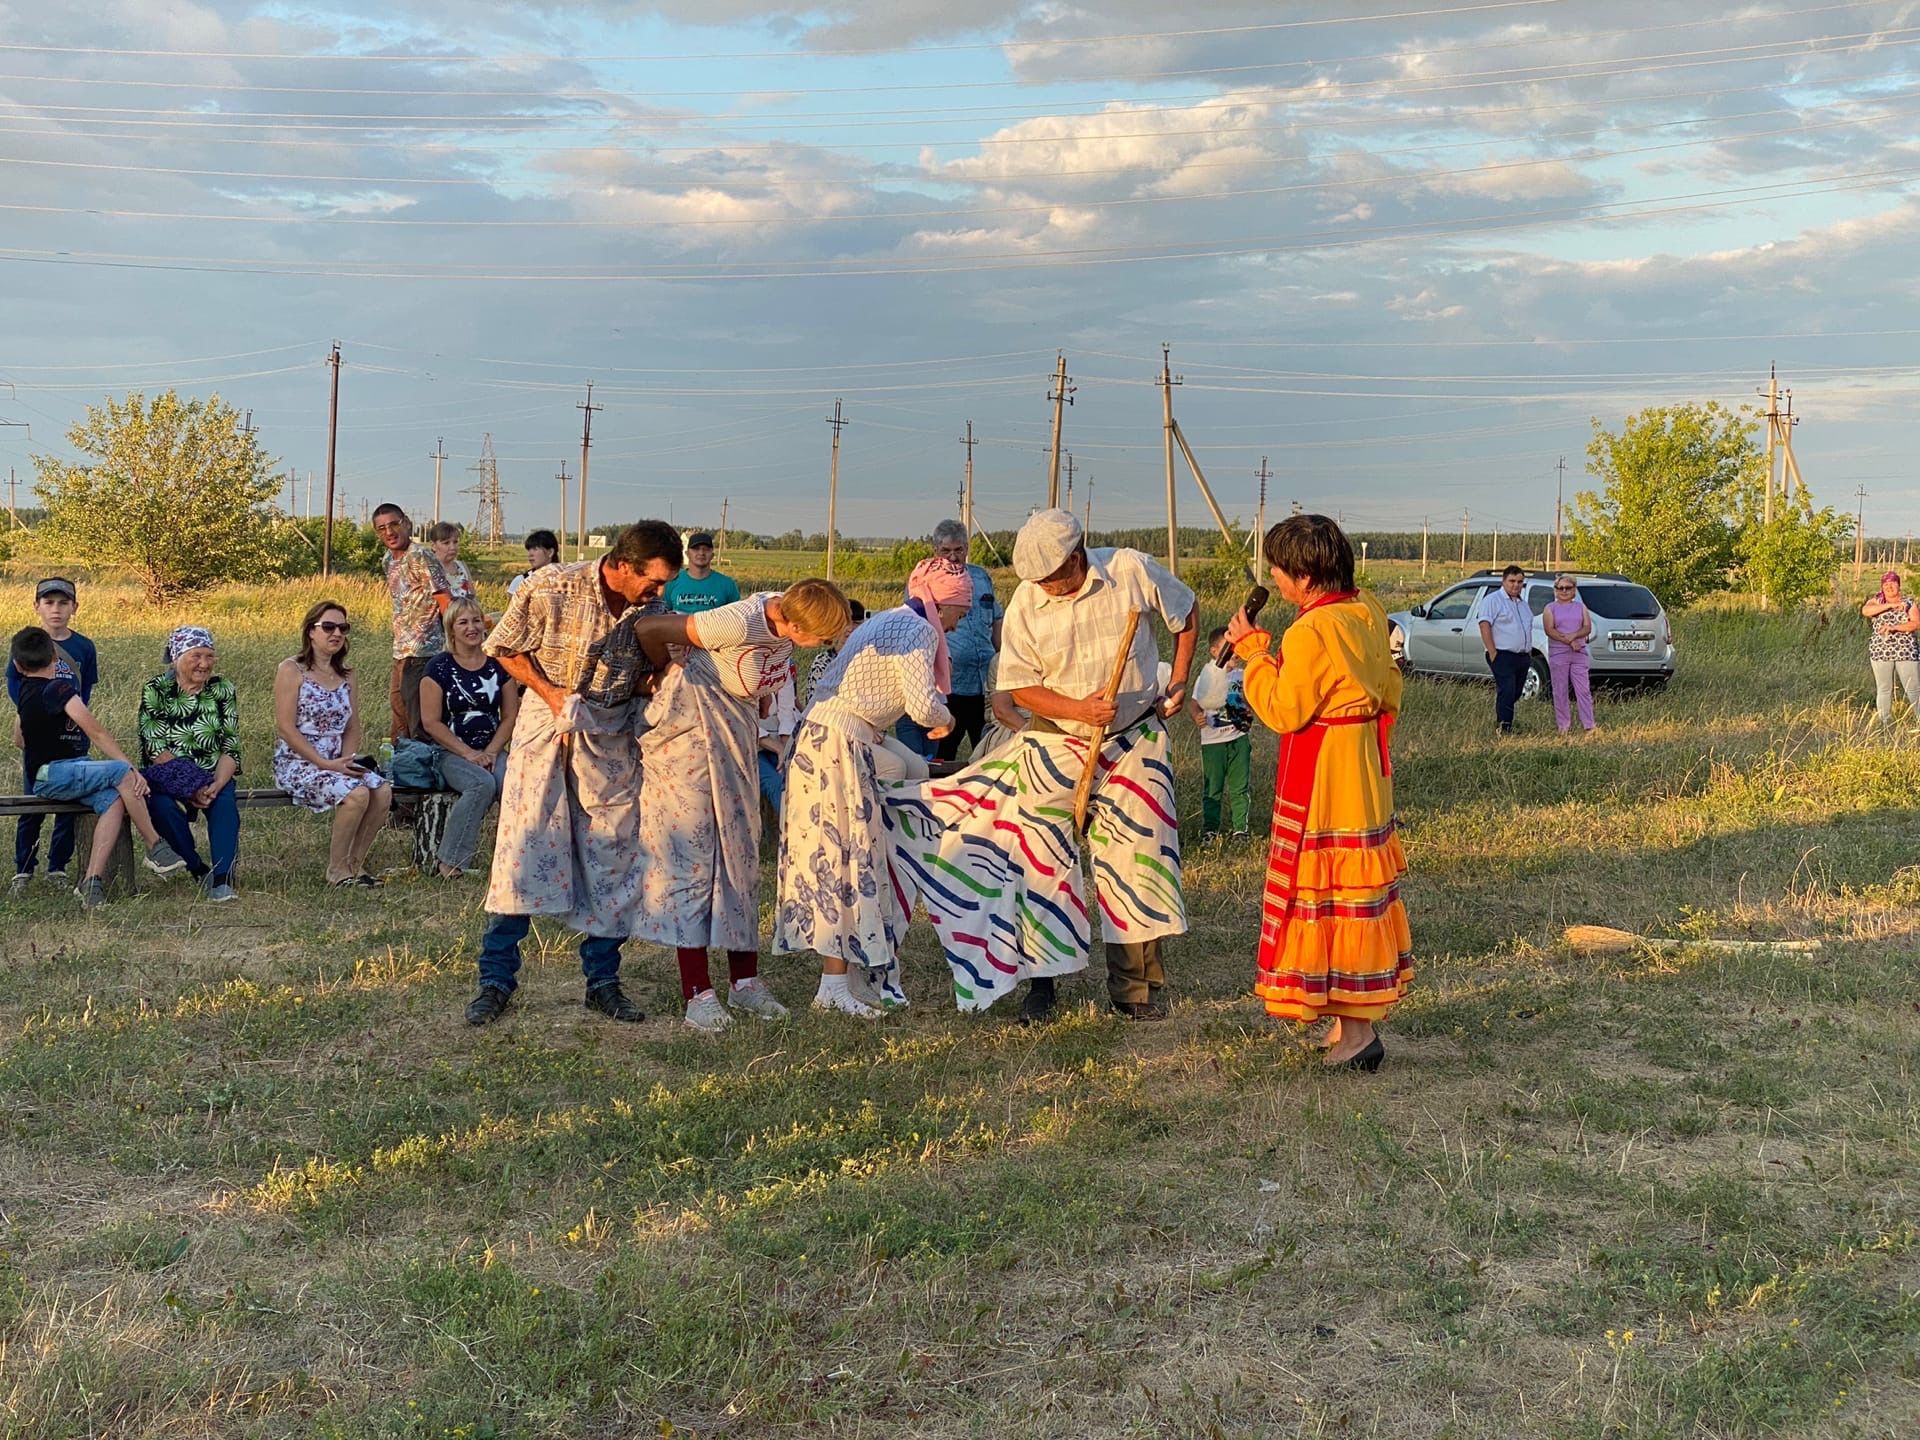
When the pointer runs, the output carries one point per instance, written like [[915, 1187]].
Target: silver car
[[1632, 638]]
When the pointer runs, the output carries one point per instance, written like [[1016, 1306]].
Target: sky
[[1406, 250]]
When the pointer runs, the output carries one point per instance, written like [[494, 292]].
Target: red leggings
[[694, 974]]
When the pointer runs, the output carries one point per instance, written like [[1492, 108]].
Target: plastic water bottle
[[385, 756]]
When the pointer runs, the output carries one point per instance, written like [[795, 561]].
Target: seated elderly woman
[[190, 753], [468, 706], [316, 713]]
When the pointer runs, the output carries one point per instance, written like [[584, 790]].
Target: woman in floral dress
[[316, 713], [839, 894]]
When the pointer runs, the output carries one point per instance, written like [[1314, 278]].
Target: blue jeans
[[26, 838], [478, 787], [93, 783], [500, 954], [914, 737], [773, 784], [174, 820]]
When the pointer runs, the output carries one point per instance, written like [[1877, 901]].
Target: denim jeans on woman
[[174, 820], [1884, 672], [478, 789]]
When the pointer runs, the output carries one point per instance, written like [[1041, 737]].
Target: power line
[[995, 261], [1333, 92], [576, 58], [1417, 177]]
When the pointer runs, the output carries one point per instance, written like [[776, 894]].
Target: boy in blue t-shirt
[[700, 587], [55, 600], [56, 730]]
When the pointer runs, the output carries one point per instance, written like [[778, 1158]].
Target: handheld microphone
[[1256, 601]]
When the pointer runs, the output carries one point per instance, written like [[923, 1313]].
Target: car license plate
[[1643, 647]]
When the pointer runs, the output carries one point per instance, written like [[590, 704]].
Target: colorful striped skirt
[[992, 853]]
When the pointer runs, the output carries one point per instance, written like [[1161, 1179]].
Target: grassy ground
[[257, 1178]]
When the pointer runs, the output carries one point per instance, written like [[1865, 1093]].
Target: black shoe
[[611, 1001], [488, 1006], [1041, 1002], [1369, 1059], [1140, 1009]]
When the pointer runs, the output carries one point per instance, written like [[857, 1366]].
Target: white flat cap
[[1044, 543]]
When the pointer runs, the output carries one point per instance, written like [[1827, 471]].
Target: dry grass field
[[257, 1179]]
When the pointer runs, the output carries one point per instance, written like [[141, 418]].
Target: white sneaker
[[706, 1014], [22, 883], [753, 997], [842, 1001]]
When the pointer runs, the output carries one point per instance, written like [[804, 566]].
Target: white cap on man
[[1045, 542]]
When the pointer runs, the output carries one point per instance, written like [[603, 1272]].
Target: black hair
[[858, 610], [646, 541], [545, 539], [389, 509], [1217, 634], [1312, 548], [1513, 570], [32, 649]]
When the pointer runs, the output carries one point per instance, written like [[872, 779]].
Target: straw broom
[[1605, 940]]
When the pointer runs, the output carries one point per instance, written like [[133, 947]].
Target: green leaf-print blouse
[[201, 727]]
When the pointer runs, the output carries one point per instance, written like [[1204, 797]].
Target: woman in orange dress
[[1333, 933]]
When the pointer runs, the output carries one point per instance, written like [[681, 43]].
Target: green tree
[[1665, 516], [173, 489], [1793, 559]]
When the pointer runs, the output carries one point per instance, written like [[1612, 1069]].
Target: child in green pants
[[1219, 707]]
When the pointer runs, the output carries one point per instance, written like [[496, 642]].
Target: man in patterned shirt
[[418, 585], [577, 638]]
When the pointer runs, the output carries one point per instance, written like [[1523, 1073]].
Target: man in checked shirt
[[577, 638]]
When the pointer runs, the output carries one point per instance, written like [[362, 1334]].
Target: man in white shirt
[[1506, 630], [1058, 647]]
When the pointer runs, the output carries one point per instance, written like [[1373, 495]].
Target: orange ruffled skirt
[[1333, 931]]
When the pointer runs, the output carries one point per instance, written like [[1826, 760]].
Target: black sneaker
[[488, 1006], [1140, 1009], [611, 1001], [1041, 1002]]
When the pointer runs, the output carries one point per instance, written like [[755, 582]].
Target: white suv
[[1632, 638]]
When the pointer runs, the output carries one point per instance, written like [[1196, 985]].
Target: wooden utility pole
[[725, 500], [1496, 546], [1559, 496], [586, 409], [13, 496], [1263, 475], [1087, 524], [966, 485], [439, 458], [1860, 533], [1464, 518], [333, 436], [309, 494], [1061, 395], [1167, 382], [561, 533], [1206, 493], [1423, 547], [838, 422], [1772, 417]]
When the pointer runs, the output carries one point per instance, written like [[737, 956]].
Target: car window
[[1455, 604], [1620, 602], [1539, 597]]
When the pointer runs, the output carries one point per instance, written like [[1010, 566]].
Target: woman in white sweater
[[839, 896]]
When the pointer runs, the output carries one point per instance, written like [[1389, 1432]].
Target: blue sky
[[1405, 248]]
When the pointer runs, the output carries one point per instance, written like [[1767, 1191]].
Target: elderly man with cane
[[995, 851], [568, 839]]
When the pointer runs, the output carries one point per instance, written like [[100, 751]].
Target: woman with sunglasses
[[1569, 627], [317, 715]]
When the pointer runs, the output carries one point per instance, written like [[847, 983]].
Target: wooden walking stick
[[1083, 792], [1606, 940]]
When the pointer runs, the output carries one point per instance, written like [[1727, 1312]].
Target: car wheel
[[1536, 686]]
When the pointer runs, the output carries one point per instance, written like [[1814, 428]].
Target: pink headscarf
[[937, 581]]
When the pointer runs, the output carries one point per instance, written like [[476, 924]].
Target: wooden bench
[[428, 809]]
